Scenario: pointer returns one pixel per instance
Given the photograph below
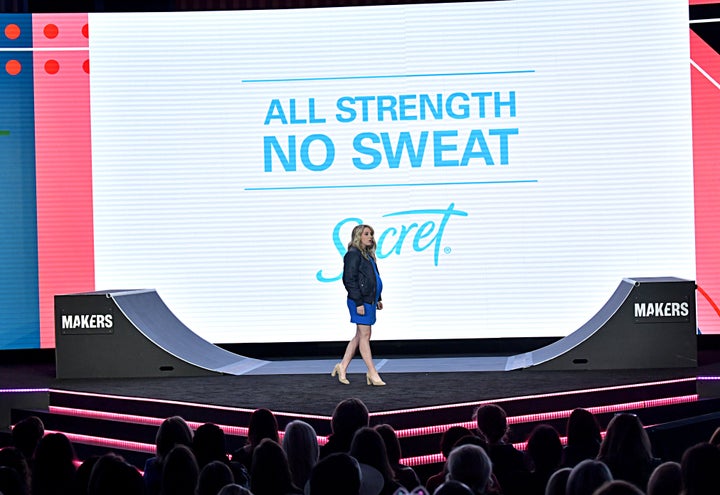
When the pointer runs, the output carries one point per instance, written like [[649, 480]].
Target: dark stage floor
[[318, 394]]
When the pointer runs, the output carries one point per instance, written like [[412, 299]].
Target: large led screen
[[517, 160]]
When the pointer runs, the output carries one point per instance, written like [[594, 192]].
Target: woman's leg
[[363, 335], [350, 351]]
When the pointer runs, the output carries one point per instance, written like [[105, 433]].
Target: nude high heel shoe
[[337, 370], [374, 383]]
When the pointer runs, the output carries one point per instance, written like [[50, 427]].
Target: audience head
[[11, 482], [172, 431], [545, 448], [666, 479], [208, 444], [715, 437], [301, 447], [470, 465], [478, 440], [336, 474], [180, 472], [492, 421], [53, 468], [234, 489], [12, 457], [618, 487], [111, 475], [700, 469], [349, 416], [450, 437], [214, 476], [392, 444], [557, 482], [82, 475], [625, 438], [626, 450], [26, 434], [368, 448], [270, 473], [583, 428], [262, 425], [586, 477], [453, 487]]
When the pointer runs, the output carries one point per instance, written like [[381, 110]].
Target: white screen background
[[598, 184]]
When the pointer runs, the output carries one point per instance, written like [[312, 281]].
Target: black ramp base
[[113, 334], [646, 323]]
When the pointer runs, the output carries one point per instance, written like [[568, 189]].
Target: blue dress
[[370, 309]]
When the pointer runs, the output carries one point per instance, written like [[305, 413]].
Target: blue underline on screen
[[365, 186], [388, 76]]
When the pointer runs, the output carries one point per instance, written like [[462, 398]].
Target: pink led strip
[[182, 403], [23, 390], [440, 458], [146, 448], [402, 433], [553, 415], [411, 461], [241, 431], [537, 396]]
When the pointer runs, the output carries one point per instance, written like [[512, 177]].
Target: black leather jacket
[[359, 277]]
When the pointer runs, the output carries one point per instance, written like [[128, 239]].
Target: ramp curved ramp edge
[[619, 336], [544, 354], [149, 314]]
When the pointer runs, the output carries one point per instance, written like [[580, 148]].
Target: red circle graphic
[[52, 66], [12, 31], [13, 67], [50, 31]]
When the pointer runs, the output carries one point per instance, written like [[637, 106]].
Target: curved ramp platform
[[646, 323], [133, 334]]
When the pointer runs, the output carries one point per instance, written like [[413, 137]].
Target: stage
[[122, 414], [318, 393]]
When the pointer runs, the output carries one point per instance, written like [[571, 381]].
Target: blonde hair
[[356, 241]]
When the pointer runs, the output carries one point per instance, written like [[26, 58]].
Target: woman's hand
[[379, 305], [361, 310]]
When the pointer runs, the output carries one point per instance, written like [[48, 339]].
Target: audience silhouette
[[544, 449], [11, 482], [111, 475], [618, 487], [508, 463], [336, 474], [586, 477], [447, 441], [180, 472], [470, 464], [700, 470], [26, 434], [583, 437], [208, 445], [367, 461], [349, 416], [270, 472], [213, 476], [368, 448], [301, 447], [557, 483], [12, 458], [53, 466], [666, 479], [626, 450], [263, 424], [173, 431], [405, 475]]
